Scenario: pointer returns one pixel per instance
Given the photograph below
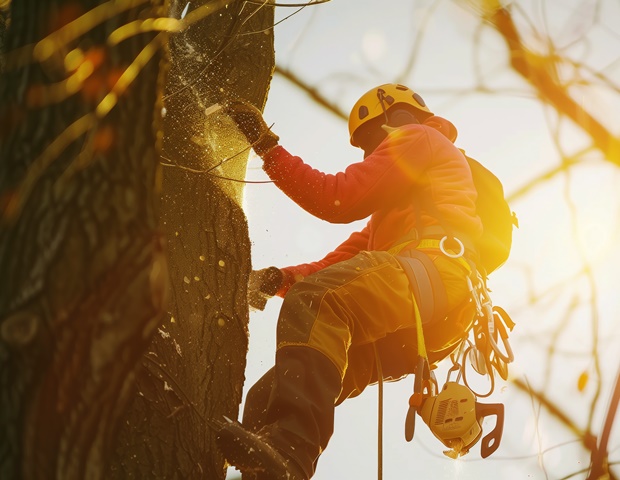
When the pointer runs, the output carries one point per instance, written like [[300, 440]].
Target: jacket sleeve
[[378, 182], [357, 242]]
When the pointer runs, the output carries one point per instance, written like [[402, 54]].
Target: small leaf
[[583, 381]]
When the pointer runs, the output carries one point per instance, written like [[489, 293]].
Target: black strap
[[427, 285]]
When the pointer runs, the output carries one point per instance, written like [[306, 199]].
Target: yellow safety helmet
[[378, 100]]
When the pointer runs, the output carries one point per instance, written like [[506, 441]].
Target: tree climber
[[356, 303]]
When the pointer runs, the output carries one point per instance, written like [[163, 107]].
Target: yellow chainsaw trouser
[[363, 305]]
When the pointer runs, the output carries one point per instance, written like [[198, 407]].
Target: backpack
[[497, 218]]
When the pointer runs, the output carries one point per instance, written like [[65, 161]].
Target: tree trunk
[[194, 368], [82, 268]]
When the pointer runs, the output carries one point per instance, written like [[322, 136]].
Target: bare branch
[[599, 455], [545, 176], [57, 40], [535, 69], [312, 92], [587, 438], [80, 127]]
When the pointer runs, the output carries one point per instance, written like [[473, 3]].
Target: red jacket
[[414, 162]]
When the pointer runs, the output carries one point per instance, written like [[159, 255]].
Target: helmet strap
[[388, 129], [396, 118], [383, 101]]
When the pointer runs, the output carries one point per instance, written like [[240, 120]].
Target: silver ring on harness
[[448, 254]]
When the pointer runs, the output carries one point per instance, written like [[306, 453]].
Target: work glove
[[250, 121], [263, 285]]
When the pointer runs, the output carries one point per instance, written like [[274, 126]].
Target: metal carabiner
[[475, 296], [442, 247], [507, 357]]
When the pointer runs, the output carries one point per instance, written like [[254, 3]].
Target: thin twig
[[587, 269], [536, 411], [209, 172], [275, 4], [566, 164], [417, 42], [587, 438]]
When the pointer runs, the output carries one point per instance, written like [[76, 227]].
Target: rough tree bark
[[82, 270], [194, 369]]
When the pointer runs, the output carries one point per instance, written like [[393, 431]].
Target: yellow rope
[[419, 331]]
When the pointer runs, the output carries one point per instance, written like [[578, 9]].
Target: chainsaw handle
[[410, 423], [491, 442], [422, 372]]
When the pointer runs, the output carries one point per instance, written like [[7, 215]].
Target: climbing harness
[[453, 414]]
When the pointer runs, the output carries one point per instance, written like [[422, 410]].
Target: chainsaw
[[454, 417]]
